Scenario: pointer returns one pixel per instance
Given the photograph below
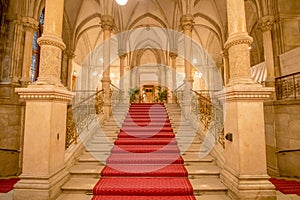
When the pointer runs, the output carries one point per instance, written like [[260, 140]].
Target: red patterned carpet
[[145, 162], [286, 186], [7, 185]]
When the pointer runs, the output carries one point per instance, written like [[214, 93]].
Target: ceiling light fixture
[[121, 2]]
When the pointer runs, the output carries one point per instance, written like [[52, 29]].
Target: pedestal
[[44, 142], [245, 172]]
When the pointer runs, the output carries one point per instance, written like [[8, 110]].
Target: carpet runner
[[7, 185], [145, 162], [286, 186]]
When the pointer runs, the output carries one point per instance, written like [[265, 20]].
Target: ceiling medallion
[[121, 2]]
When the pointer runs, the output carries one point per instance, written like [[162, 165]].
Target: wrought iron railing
[[116, 95], [288, 87], [82, 113], [207, 110]]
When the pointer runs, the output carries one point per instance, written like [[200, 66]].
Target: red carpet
[[286, 186], [7, 185], [145, 162]]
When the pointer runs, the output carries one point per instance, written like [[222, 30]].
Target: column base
[[107, 111], [248, 187], [40, 188]]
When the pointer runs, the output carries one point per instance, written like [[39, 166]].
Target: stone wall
[[11, 131], [282, 122]]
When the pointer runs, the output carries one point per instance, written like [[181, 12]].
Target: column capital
[[122, 53], [107, 22], [224, 53], [236, 39], [70, 53], [187, 22], [173, 55], [266, 23], [30, 24], [51, 40]]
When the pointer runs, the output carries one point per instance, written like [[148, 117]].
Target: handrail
[[287, 150], [287, 87], [80, 116], [115, 87], [86, 99], [179, 87]]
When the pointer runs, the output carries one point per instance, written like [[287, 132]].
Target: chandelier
[[121, 2]]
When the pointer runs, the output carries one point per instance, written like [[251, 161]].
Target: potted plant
[[133, 92], [162, 95]]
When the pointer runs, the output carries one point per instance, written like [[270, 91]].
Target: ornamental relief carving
[[50, 61], [239, 58]]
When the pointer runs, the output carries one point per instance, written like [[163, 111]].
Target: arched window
[[34, 68]]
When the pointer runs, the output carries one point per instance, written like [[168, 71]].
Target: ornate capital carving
[[107, 22], [238, 39], [30, 24], [224, 53], [187, 22], [173, 55], [51, 40], [266, 23]]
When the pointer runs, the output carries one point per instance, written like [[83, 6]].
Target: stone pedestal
[[245, 172], [44, 142]]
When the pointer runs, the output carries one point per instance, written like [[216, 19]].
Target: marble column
[[173, 56], [122, 57], [70, 55], [45, 118], [107, 25], [266, 24], [245, 169], [30, 26], [187, 23]]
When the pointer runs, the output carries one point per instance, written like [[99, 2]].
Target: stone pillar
[[122, 57], [245, 169], [45, 118], [266, 24], [30, 25], [226, 72], [173, 58], [70, 55], [107, 24], [187, 23]]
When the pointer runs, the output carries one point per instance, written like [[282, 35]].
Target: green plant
[[162, 95], [132, 94]]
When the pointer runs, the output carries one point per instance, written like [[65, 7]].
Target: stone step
[[86, 170], [66, 196], [198, 171], [201, 186], [193, 159], [82, 185], [208, 185], [212, 197]]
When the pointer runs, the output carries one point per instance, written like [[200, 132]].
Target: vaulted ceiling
[[83, 33]]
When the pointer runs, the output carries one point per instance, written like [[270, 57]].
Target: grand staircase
[[203, 172]]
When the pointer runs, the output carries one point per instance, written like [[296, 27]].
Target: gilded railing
[[209, 112], [81, 113], [288, 87], [116, 95]]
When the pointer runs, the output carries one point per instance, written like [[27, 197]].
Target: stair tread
[[86, 169], [74, 197], [213, 197], [209, 169], [207, 184], [85, 183]]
